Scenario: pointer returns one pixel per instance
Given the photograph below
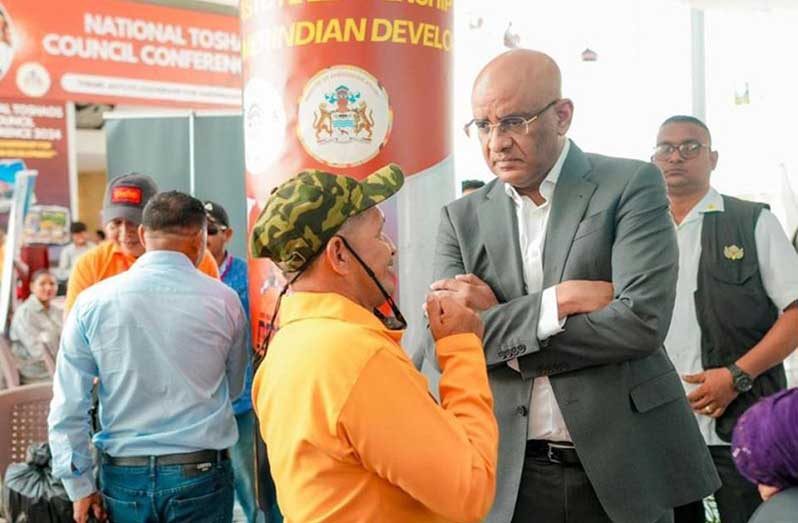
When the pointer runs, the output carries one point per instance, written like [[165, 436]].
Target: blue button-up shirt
[[235, 275], [169, 346]]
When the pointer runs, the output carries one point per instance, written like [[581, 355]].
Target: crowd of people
[[610, 336], [37, 325]]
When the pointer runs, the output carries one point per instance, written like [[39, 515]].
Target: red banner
[[36, 133], [345, 86], [113, 51]]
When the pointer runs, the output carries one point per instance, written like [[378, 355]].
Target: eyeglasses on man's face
[[687, 150], [515, 125]]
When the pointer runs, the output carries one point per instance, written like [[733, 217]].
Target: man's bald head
[[521, 86], [522, 69]]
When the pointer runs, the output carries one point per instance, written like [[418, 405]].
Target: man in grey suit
[[571, 260]]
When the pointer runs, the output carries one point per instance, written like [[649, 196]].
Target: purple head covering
[[765, 441]]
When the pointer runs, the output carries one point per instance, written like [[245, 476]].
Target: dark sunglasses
[[213, 230]]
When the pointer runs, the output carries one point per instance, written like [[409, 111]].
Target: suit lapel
[[494, 214], [569, 202]]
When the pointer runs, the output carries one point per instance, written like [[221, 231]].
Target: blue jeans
[[168, 493], [243, 457]]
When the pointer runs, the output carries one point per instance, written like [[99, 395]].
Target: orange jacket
[[352, 431]]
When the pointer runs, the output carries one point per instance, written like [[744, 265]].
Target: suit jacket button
[[522, 411]]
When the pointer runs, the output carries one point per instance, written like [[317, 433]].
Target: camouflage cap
[[303, 213]]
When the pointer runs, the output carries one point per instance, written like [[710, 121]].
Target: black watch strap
[[742, 380]]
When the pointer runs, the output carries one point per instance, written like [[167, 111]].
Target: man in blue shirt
[[169, 346], [233, 272]]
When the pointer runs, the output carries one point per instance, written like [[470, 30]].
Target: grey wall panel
[[158, 147], [219, 170]]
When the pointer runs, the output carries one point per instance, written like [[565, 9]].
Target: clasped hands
[[453, 305]]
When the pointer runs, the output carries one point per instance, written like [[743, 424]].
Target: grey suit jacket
[[620, 396], [781, 508]]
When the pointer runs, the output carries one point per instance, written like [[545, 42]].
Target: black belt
[[190, 458], [553, 452]]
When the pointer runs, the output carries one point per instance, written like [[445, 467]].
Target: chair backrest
[[23, 411], [8, 364]]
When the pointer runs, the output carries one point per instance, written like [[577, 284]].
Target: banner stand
[[23, 189]]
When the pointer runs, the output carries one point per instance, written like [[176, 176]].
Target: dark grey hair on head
[[174, 212]]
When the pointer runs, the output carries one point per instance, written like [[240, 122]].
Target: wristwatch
[[741, 380]]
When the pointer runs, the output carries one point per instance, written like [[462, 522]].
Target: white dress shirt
[[778, 266], [545, 418]]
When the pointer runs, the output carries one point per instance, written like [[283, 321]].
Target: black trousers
[[557, 493], [737, 498]]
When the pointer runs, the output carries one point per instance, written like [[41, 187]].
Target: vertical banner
[[24, 182], [36, 134], [347, 86]]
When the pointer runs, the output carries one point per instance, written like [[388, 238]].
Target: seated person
[[36, 329], [71, 252], [765, 450]]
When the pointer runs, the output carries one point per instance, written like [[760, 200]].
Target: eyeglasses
[[517, 125], [687, 150]]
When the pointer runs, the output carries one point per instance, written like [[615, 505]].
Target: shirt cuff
[[78, 487], [549, 322]]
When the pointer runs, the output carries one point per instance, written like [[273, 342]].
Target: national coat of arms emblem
[[344, 116]]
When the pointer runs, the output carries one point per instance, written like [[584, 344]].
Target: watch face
[[743, 383]]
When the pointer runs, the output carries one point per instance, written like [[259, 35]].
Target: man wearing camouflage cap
[[351, 430]]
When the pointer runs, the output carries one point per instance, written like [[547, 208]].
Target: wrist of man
[[79, 487], [457, 346], [564, 304], [741, 379], [749, 368]]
